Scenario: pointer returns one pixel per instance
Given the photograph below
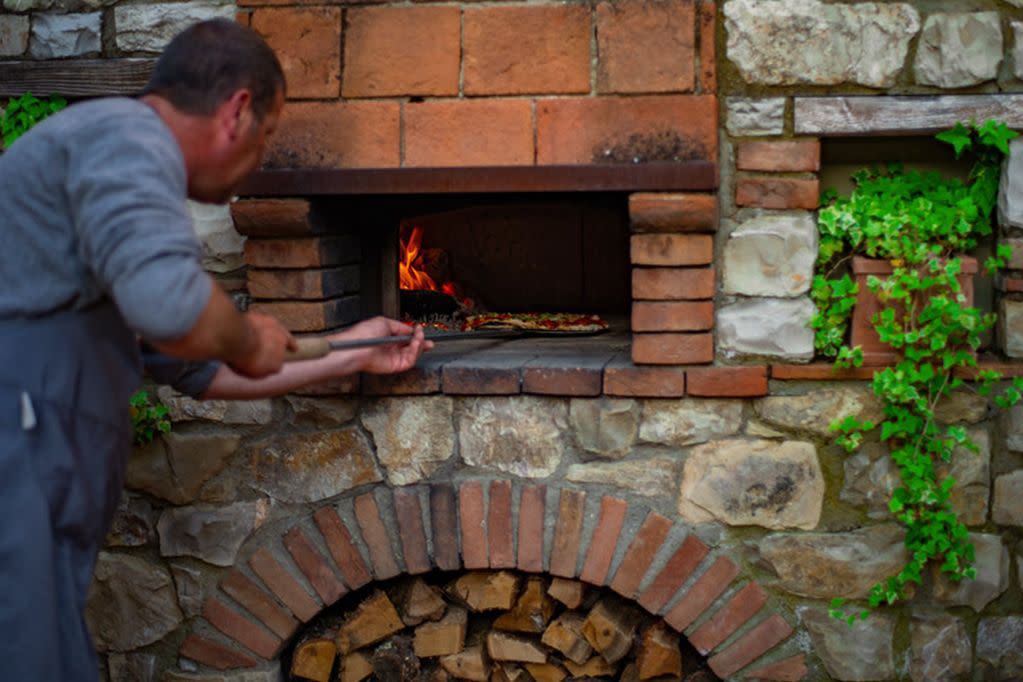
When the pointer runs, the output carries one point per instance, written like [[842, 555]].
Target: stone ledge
[[888, 115], [825, 371]]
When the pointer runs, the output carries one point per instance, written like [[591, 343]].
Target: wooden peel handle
[[309, 349]]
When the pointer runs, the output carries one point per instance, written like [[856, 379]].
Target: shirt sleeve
[[127, 190], [190, 378]]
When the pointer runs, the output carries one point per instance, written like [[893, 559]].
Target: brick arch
[[475, 527]]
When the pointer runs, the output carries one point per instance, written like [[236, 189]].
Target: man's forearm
[[229, 385], [221, 332]]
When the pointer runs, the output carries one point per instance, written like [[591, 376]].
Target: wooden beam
[[884, 115], [75, 77]]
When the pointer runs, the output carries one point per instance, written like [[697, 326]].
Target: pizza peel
[[310, 348]]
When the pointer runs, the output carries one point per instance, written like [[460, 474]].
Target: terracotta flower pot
[[875, 352]]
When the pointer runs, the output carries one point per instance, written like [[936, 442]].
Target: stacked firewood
[[492, 626]]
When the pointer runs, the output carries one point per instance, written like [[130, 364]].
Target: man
[[98, 251]]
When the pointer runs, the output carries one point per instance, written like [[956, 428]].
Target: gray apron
[[65, 435]]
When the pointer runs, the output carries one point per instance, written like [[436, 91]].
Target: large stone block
[[131, 603], [65, 35], [176, 466], [1000, 648], [827, 565], [940, 648], [972, 474], [210, 533], [1010, 191], [413, 435], [1010, 328], [992, 566], [815, 412], [1007, 509], [148, 28], [957, 50], [755, 116], [648, 477], [181, 408], [862, 651], [306, 467], [870, 479], [272, 673], [222, 247], [1011, 421], [517, 435], [810, 42], [13, 35], [677, 423], [753, 483], [771, 256], [1017, 50], [773, 327], [605, 427]]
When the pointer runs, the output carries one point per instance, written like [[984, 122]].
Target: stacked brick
[[300, 270], [492, 525]]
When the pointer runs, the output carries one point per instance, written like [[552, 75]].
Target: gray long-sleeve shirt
[[93, 208]]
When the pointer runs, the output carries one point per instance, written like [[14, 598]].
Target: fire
[[410, 276]]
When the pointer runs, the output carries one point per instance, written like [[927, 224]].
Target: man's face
[[237, 151]]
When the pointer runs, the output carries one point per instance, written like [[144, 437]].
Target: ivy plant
[[24, 112], [147, 419], [921, 222]]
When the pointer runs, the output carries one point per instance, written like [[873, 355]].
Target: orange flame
[[410, 276]]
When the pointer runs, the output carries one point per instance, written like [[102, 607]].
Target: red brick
[[283, 585], [604, 540], [237, 586], [277, 218], [531, 528], [708, 52], [244, 18], [503, 378], [623, 379], [640, 554], [376, 537], [664, 212], [645, 46], [308, 44], [311, 316], [702, 593], [1011, 285], [779, 156], [791, 669], [339, 543], [672, 284], [312, 284], [1008, 369], [672, 316], [304, 252], [474, 532], [396, 51], [750, 646], [672, 349], [546, 51], [435, 133], [214, 655], [567, 534], [313, 566], [416, 381], [444, 527], [820, 371], [499, 525], [336, 135], [727, 382], [779, 193], [674, 574], [575, 130], [743, 605], [574, 379], [672, 249], [409, 513], [249, 634]]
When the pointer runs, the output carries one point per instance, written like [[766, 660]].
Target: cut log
[[568, 592], [659, 653], [566, 635], [314, 660], [469, 664], [509, 672], [485, 591], [505, 647], [443, 638], [595, 667], [373, 620], [610, 627], [396, 661], [356, 667], [532, 611], [418, 602], [545, 672], [438, 675]]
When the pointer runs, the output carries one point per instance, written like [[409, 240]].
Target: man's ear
[[237, 113]]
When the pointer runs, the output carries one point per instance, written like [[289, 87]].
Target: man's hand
[[264, 355], [386, 359]]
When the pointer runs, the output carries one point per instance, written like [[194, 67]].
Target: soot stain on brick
[[665, 145]]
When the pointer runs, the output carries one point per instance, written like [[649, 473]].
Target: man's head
[[228, 82]]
